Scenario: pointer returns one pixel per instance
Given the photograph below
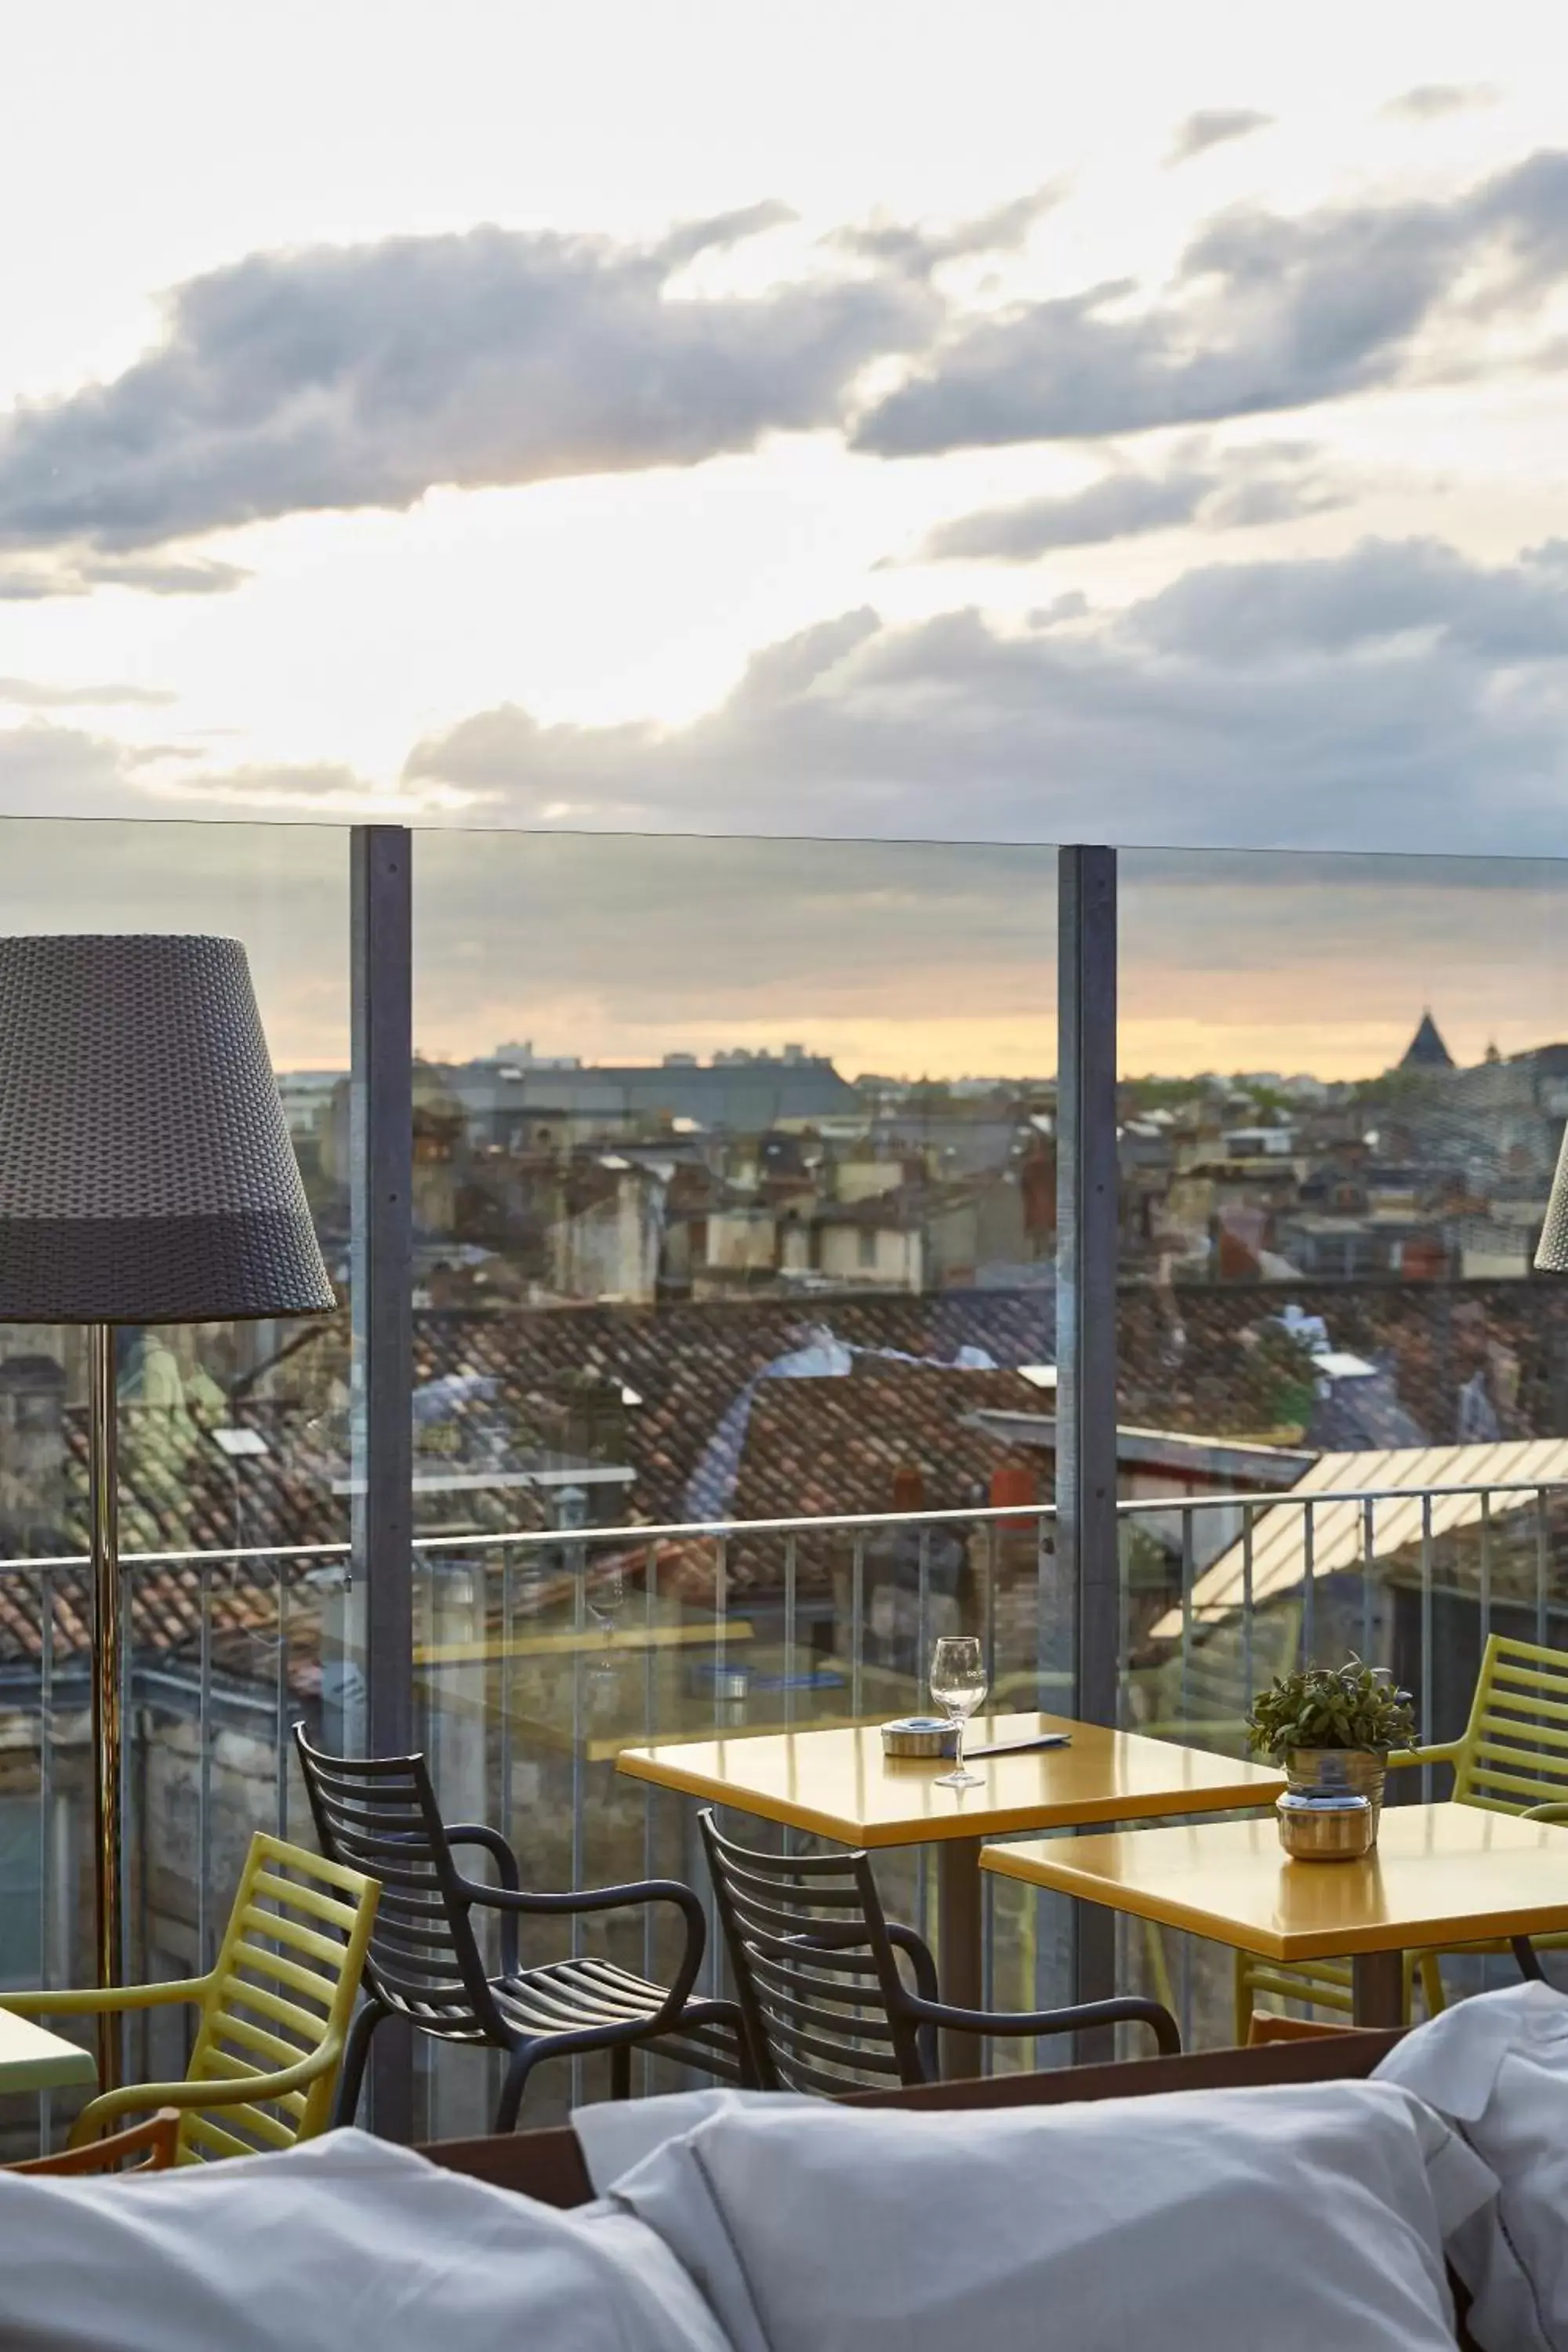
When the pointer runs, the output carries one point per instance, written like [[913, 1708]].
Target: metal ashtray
[[1335, 1826], [711, 1679], [920, 1735]]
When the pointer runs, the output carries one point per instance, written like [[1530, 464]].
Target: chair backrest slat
[[301, 1922], [782, 1974], [792, 2010], [814, 1968], [379, 1814], [1514, 1752]]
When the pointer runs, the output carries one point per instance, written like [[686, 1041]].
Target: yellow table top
[[34, 2060], [586, 1641], [1440, 1875], [837, 1782]]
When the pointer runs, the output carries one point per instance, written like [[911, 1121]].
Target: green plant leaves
[[1352, 1705]]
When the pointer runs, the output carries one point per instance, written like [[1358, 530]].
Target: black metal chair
[[380, 1815], [817, 1967]]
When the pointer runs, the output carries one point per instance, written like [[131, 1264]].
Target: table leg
[[1377, 1988], [959, 1964]]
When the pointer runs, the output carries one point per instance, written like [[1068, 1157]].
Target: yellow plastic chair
[[1510, 1758], [275, 2011]]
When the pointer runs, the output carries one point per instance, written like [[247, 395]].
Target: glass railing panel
[[734, 1202], [232, 1445], [1342, 1091]]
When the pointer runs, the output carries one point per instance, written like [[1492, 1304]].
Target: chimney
[[909, 1490], [1012, 1482]]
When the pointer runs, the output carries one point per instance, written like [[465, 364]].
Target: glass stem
[[959, 1765]]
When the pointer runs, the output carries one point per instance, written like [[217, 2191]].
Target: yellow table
[[838, 1784], [572, 1641], [33, 2060], [1441, 1874], [640, 1706]]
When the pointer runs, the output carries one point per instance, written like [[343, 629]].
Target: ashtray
[[920, 1735]]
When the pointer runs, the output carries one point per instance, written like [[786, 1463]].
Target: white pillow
[[1497, 2067], [617, 2133], [1260, 2220], [344, 2244]]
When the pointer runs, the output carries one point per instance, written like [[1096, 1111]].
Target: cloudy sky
[[1011, 423]]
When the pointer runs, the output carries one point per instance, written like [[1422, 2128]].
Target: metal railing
[[540, 1655]]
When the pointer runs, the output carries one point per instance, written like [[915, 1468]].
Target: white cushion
[[617, 2133], [1497, 2067], [344, 2244], [1292, 2220]]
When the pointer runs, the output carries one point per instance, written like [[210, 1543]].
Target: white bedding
[[344, 2244], [1298, 2219], [1497, 2068]]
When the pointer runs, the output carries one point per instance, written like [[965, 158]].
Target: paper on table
[[1020, 1747]]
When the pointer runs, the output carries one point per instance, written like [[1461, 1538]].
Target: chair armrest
[[1445, 1751], [1130, 2009], [1557, 1813], [641, 1893], [904, 1939], [103, 2000], [494, 1844], [479, 1834], [241, 2090]]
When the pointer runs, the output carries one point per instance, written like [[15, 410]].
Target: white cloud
[[1434, 102], [71, 572], [360, 376], [54, 771], [35, 694], [51, 770], [1270, 482], [331, 378], [1214, 126], [1266, 312], [1395, 696]]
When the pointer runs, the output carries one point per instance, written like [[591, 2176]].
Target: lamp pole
[[107, 1677]]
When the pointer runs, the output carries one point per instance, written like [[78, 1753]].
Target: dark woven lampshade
[[146, 1173], [1552, 1251]]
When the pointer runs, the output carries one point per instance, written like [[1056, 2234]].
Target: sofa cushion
[[343, 2244], [617, 2133], [1497, 2068], [1290, 2219]]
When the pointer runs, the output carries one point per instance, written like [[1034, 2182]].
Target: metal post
[[960, 1932], [1088, 1566], [381, 1157], [1377, 1988], [461, 2101], [108, 1684]]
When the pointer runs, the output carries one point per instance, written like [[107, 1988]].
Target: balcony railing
[[550, 1298], [540, 1654]]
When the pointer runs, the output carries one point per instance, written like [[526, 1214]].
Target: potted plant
[[1331, 1728]]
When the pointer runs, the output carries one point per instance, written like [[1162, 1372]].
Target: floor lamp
[[146, 1177]]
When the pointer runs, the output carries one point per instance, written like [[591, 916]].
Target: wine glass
[[958, 1684]]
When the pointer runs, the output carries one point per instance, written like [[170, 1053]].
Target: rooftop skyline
[[937, 961]]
